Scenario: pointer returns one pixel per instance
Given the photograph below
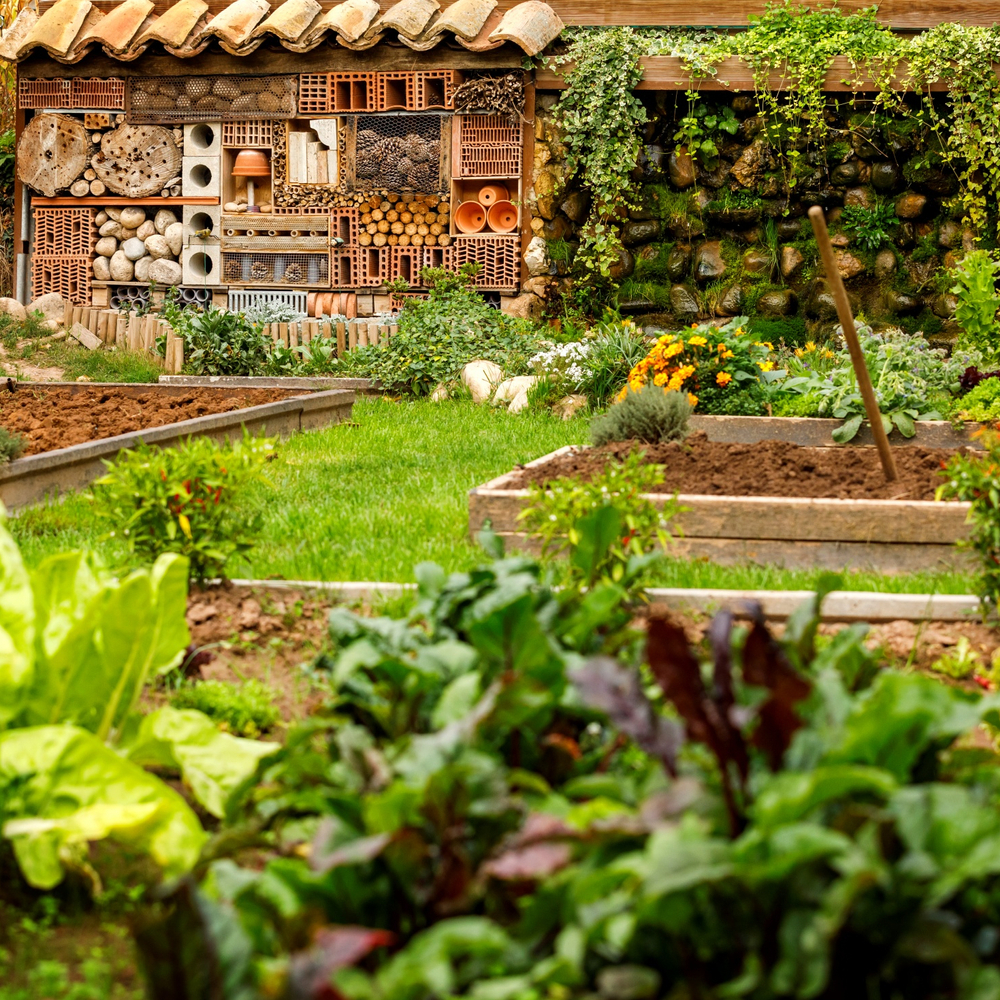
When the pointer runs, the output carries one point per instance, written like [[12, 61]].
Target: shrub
[[646, 414], [11, 446], [638, 529], [245, 709], [218, 342], [182, 500], [975, 286], [618, 346], [438, 335]]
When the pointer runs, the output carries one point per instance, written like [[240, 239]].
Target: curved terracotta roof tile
[[70, 28], [290, 21], [531, 24]]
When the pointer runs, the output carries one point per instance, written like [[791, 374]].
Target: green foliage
[[978, 302], [318, 357], [700, 126], [870, 227], [7, 146], [490, 810], [599, 117], [440, 334], [11, 445], [560, 513], [958, 663], [905, 371], [181, 499], [647, 414], [791, 331], [245, 709], [975, 477], [216, 341], [983, 402], [617, 346]]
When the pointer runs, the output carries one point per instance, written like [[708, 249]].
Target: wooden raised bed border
[[26, 480], [885, 536]]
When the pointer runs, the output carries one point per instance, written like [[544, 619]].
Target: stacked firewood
[[420, 221]]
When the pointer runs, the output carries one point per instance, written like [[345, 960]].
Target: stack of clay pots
[[133, 247], [492, 210]]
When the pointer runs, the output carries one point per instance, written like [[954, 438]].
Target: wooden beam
[[668, 73]]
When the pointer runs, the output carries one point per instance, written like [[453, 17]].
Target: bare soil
[[59, 417], [768, 468]]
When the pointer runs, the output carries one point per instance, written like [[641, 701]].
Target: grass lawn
[[368, 501]]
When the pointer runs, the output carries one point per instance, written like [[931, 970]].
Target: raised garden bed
[[775, 503], [79, 425], [311, 382]]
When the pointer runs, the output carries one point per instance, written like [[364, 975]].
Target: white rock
[[134, 248], [230, 206], [101, 218], [164, 219], [570, 405], [157, 246], [515, 392], [83, 336], [51, 326], [146, 230], [132, 218], [106, 246], [102, 269], [121, 267], [481, 377], [175, 237], [166, 272], [142, 266], [440, 393], [536, 257], [51, 306], [113, 213], [111, 228], [14, 309]]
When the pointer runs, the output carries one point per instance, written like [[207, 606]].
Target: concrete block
[[198, 218], [201, 177], [203, 139], [202, 265]]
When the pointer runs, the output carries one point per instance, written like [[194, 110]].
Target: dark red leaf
[[310, 972], [533, 862]]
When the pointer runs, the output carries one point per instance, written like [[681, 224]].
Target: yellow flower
[[673, 350], [723, 378], [692, 399], [768, 344], [739, 332], [661, 379], [810, 345], [727, 354], [684, 373], [697, 341], [827, 354], [765, 366], [799, 352]]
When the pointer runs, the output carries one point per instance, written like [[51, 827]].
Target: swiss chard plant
[[77, 647], [514, 793]]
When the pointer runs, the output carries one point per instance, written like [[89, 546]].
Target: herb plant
[[183, 500], [978, 302], [648, 414], [217, 342], [11, 446], [246, 709], [870, 226]]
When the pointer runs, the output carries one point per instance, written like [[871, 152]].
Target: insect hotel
[[297, 153]]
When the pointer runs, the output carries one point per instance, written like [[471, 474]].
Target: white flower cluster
[[564, 361]]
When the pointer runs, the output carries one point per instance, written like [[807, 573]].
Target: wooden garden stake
[[853, 344]]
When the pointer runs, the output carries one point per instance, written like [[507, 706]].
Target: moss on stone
[[654, 268]]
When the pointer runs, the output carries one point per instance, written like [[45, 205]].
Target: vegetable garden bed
[[799, 525], [310, 382], [139, 412]]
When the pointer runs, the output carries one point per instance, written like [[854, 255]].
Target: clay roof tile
[[350, 20], [56, 30], [531, 25], [290, 21], [408, 17], [173, 27], [464, 18], [14, 37], [234, 25], [116, 29]]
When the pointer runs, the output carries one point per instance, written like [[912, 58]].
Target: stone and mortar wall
[[731, 240]]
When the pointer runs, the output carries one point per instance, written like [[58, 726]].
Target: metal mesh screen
[[401, 152], [277, 268], [204, 98]]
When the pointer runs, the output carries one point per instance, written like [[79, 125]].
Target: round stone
[[106, 246], [174, 236], [134, 248], [165, 272], [163, 219], [102, 269], [121, 267], [157, 246], [142, 266], [132, 218], [145, 230]]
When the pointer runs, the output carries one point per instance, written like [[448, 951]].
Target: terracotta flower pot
[[490, 194], [502, 217], [470, 217]]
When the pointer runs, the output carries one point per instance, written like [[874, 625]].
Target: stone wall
[[730, 235]]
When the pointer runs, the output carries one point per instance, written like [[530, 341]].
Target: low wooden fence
[[140, 333]]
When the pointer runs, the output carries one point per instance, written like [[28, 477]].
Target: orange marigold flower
[[727, 354], [673, 350], [697, 341], [723, 378], [692, 399], [661, 379]]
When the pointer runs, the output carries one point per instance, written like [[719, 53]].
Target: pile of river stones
[[135, 247]]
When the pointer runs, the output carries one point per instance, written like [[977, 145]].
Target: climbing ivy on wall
[[600, 116]]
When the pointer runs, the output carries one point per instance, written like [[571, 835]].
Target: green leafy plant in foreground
[[975, 477], [181, 499], [978, 302], [11, 445], [76, 649], [246, 709], [492, 808]]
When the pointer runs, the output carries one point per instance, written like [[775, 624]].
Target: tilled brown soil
[[59, 417], [768, 468]]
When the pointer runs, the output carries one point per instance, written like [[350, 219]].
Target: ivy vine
[[599, 118]]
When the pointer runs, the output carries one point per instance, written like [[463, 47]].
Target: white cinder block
[[198, 218], [202, 265], [203, 139], [201, 177]]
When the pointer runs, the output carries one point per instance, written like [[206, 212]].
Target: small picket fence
[[140, 333]]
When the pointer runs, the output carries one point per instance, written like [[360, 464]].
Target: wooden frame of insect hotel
[[245, 151]]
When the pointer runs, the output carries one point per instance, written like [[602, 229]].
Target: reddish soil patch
[[768, 468], [60, 417]]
